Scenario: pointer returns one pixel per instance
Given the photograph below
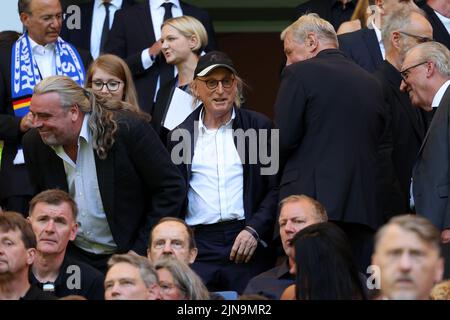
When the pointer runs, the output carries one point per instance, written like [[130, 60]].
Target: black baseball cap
[[211, 61]]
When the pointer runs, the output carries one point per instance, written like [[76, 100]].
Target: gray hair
[[185, 278], [311, 23], [418, 225], [23, 6], [146, 269], [435, 52], [398, 20], [101, 122]]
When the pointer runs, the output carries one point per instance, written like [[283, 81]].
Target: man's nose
[[403, 86]]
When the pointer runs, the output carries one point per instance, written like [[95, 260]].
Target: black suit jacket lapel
[[440, 33], [86, 22], [146, 22], [440, 112], [105, 179], [371, 41]]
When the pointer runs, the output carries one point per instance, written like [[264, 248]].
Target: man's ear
[[395, 39], [24, 18], [192, 255], [31, 254], [75, 112], [311, 42]]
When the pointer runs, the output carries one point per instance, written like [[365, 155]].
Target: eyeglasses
[[212, 83], [419, 39], [112, 85], [405, 73]]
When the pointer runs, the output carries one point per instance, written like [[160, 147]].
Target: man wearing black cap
[[232, 198]]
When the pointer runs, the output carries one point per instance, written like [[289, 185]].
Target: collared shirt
[[435, 104], [271, 283], [98, 18], [45, 58], [445, 21], [440, 94], [157, 13], [216, 185], [380, 41], [94, 234]]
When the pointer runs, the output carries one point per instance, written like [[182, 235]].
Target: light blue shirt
[[94, 234], [216, 188], [98, 18]]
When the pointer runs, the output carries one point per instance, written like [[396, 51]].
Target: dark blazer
[[132, 32], [330, 116], [260, 192], [362, 47], [431, 175], [14, 178], [407, 131], [161, 107], [323, 8], [138, 182], [440, 33], [81, 38]]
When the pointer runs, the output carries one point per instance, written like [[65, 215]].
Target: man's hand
[[26, 123], [445, 236], [155, 49], [243, 248]]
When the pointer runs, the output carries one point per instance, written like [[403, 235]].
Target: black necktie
[[105, 30], [168, 10], [166, 70]]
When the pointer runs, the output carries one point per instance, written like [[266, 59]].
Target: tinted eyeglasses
[[211, 84], [112, 85], [405, 73], [419, 39]]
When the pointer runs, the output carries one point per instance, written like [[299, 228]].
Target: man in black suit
[[330, 116], [404, 29], [142, 49], [438, 11], [334, 11], [41, 43], [111, 162], [426, 78], [365, 46], [92, 18]]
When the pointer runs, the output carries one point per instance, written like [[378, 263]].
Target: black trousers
[[213, 265]]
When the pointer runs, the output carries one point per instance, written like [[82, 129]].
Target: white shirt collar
[[34, 44], [377, 32], [155, 4], [201, 125], [115, 3], [440, 94], [85, 133]]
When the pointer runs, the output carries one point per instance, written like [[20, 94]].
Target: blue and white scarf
[[25, 72]]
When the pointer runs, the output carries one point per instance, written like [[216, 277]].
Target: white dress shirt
[[94, 234], [380, 41], [445, 21], [216, 187], [157, 13], [98, 18], [45, 58]]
